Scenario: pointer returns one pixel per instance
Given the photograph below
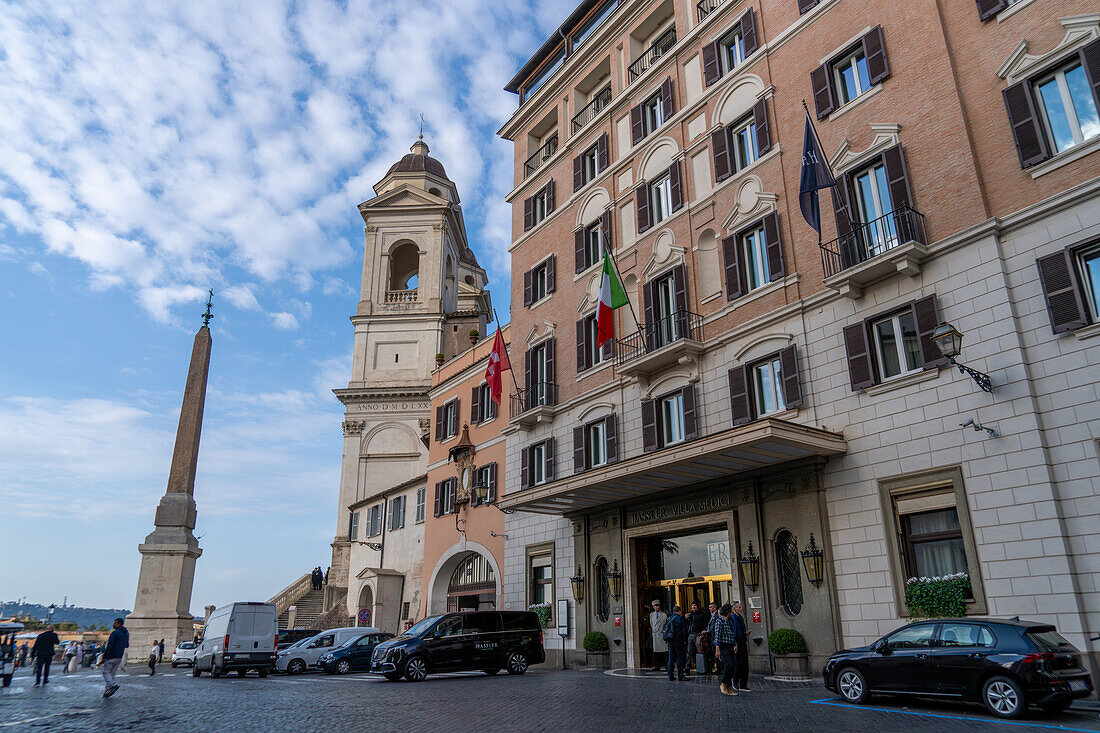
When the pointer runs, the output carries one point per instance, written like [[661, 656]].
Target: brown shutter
[[748, 32], [649, 312], [528, 374], [774, 246], [528, 289], [1061, 291], [578, 172], [1090, 59], [691, 426], [452, 494], [605, 220], [792, 386], [602, 156], [475, 405], [439, 498], [740, 404], [731, 256], [720, 149], [874, 50], [641, 197], [528, 213], [551, 273], [549, 459], [805, 5], [988, 8], [897, 178], [525, 469], [848, 237], [611, 430], [454, 416], [822, 84], [439, 424], [637, 125], [551, 378], [675, 186], [712, 64], [927, 317], [668, 105], [492, 482], [763, 134], [580, 262], [679, 289], [860, 371], [1031, 144], [649, 426], [578, 449], [549, 196], [582, 345]]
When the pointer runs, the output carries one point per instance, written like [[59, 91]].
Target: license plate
[[1077, 686]]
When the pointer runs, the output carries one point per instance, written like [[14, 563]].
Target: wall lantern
[[615, 581], [750, 568], [949, 341], [577, 581], [813, 559], [481, 494]]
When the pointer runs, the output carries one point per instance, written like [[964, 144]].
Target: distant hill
[[83, 617]]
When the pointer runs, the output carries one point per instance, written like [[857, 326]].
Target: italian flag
[[612, 296]]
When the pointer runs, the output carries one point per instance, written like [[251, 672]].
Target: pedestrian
[[676, 634], [712, 665], [112, 655], [697, 627], [42, 652], [160, 652], [326, 574], [21, 660], [657, 620], [725, 648], [78, 657], [741, 681], [153, 651]]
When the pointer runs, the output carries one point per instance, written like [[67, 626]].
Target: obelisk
[[162, 609]]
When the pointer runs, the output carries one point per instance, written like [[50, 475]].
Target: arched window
[[404, 267], [603, 590], [473, 574], [790, 577]]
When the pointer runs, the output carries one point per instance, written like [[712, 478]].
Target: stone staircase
[[309, 604]]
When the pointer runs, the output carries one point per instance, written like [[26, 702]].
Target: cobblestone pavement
[[541, 700]]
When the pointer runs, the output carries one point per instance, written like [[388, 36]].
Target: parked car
[[239, 637], [290, 637], [1006, 665], [299, 658], [354, 654], [184, 653], [474, 640], [8, 630]]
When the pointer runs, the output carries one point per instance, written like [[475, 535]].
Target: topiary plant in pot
[[789, 654], [597, 650]]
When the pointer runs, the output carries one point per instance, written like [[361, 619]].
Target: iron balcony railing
[[537, 395], [540, 156], [874, 238], [651, 54], [670, 329], [590, 110], [704, 7]]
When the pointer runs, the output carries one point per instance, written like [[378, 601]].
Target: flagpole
[[513, 371], [615, 263], [835, 186]]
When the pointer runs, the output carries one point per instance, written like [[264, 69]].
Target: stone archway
[[481, 584], [366, 601]]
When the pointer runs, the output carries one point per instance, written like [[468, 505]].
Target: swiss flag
[[498, 363]]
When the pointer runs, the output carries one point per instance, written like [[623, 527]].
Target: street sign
[[756, 617], [563, 617], [364, 615]]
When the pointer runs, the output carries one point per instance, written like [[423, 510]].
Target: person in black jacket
[[676, 634], [42, 652], [112, 656], [697, 624]]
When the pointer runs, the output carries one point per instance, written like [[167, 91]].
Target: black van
[[472, 640]]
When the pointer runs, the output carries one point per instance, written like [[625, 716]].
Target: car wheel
[[517, 663], [392, 676], [196, 672], [174, 665], [261, 672], [214, 671], [1004, 698], [852, 685], [296, 667], [416, 669], [7, 680], [492, 671], [343, 666]]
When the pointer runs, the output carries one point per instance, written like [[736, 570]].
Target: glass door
[[873, 199]]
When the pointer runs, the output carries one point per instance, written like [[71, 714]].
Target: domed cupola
[[418, 161]]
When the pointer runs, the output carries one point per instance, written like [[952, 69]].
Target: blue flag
[[815, 176]]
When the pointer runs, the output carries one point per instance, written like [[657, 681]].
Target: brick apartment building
[[769, 391]]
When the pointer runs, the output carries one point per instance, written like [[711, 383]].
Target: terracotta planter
[[792, 666], [598, 660]]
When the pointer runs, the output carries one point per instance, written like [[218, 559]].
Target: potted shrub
[[938, 597], [788, 649], [439, 360], [474, 336], [597, 650], [542, 610]]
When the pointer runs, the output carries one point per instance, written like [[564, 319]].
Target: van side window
[[325, 640], [449, 627], [482, 623]]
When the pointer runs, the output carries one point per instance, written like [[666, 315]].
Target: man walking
[[42, 652], [712, 666], [112, 656], [657, 620], [160, 652], [697, 626], [741, 681], [725, 648], [676, 634], [153, 650]]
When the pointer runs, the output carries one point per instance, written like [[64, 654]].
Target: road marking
[[837, 702]]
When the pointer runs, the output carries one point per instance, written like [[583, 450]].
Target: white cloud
[[285, 321], [242, 296]]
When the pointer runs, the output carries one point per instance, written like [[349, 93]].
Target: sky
[[152, 151]]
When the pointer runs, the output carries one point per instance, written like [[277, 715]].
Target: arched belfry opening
[[404, 267]]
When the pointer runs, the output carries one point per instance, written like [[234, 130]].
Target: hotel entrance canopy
[[764, 443]]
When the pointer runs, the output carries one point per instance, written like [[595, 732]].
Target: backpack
[[668, 633]]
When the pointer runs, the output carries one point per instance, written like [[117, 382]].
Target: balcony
[[703, 8], [651, 54], [400, 296], [892, 244], [540, 156], [660, 345], [590, 110], [535, 404]]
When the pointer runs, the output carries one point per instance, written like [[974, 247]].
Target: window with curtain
[[933, 543], [790, 576]]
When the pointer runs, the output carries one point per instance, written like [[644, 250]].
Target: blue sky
[[149, 151]]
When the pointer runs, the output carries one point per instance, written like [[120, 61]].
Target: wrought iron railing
[[590, 110], [703, 8], [874, 238], [540, 156], [537, 395], [675, 327], [651, 54], [401, 296]]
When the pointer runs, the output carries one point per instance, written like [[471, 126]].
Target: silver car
[[304, 654], [184, 654]]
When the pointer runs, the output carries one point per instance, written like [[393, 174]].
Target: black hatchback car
[[1007, 665], [354, 654], [473, 640]]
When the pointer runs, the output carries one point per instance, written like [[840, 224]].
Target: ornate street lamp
[[615, 581], [49, 613], [813, 559], [949, 341], [577, 581], [750, 568]]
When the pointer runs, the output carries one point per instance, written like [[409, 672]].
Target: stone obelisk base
[[168, 558]]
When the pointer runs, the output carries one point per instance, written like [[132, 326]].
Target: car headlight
[[326, 657]]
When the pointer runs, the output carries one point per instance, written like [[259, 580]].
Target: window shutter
[[679, 291], [720, 149], [551, 378], [859, 357], [731, 257], [649, 312], [439, 498], [988, 8], [528, 289], [549, 196], [874, 49], [475, 405], [748, 32], [1090, 59], [774, 246], [454, 416], [667, 103], [528, 374], [849, 249], [641, 197], [712, 65], [492, 482], [740, 405], [578, 449], [792, 386], [452, 486], [806, 5], [578, 172], [1031, 144], [763, 134], [675, 186], [897, 178], [439, 424], [691, 427], [1061, 291], [525, 471], [649, 426], [605, 220], [528, 213], [637, 126], [582, 345], [549, 459], [579, 260], [927, 317], [551, 273], [611, 431], [822, 86], [602, 156]]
